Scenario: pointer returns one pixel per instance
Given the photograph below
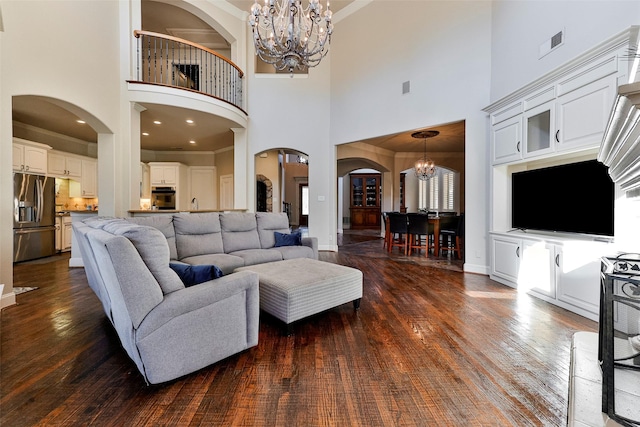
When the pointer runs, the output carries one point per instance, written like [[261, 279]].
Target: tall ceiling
[[210, 133]]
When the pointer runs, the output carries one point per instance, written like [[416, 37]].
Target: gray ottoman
[[296, 288]]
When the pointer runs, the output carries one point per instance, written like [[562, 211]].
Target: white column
[[242, 171]]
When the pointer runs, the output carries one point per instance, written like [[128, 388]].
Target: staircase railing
[[170, 61]]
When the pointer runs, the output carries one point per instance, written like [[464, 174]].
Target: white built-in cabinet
[[164, 174], [559, 118], [569, 115], [29, 157], [506, 138], [64, 165], [87, 185], [564, 273]]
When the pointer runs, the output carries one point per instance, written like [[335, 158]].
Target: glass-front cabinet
[[366, 192], [539, 126]]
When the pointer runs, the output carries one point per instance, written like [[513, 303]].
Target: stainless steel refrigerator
[[34, 230]]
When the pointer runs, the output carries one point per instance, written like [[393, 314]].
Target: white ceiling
[[211, 133]]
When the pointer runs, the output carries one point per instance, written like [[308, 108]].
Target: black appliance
[[34, 217], [163, 198], [573, 198]]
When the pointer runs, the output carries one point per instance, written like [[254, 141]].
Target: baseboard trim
[[76, 262], [8, 300], [475, 268]]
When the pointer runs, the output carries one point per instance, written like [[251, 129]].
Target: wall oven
[[163, 198]]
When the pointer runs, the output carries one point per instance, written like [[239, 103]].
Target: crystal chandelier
[[289, 36], [425, 168]]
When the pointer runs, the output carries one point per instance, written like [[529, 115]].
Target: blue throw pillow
[[293, 239], [196, 274]]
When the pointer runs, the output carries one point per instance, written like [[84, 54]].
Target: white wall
[[519, 27], [443, 49], [42, 54], [293, 113]]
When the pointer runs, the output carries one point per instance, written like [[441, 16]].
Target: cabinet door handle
[[518, 146], [27, 168], [558, 260], [518, 251], [558, 136]]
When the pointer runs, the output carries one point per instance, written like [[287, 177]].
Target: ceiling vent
[[551, 44]]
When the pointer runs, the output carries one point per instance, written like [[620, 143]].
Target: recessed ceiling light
[[81, 122], [189, 121], [157, 122], [192, 142], [145, 133]]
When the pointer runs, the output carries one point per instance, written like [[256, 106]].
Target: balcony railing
[[170, 61]]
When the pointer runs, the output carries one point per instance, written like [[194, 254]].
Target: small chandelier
[[425, 168], [289, 36]]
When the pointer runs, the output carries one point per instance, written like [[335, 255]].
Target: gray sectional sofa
[[167, 329], [227, 240]]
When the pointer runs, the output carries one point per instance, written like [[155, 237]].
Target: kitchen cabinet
[[87, 185], [172, 174], [67, 234], [164, 174], [63, 165], [563, 272], [145, 181], [58, 233], [365, 200], [29, 157], [202, 187]]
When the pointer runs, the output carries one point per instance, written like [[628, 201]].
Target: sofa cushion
[[288, 239], [197, 234], [164, 223], [239, 231], [290, 252], [268, 223], [137, 287], [195, 274], [258, 256], [154, 250], [227, 263]]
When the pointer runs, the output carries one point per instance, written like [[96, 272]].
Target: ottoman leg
[[287, 329], [356, 304]]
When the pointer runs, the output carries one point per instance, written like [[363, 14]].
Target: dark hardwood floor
[[430, 346]]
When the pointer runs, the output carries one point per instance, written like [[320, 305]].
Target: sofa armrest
[[193, 298], [311, 242]]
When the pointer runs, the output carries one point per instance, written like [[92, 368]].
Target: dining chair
[[397, 231], [421, 233], [452, 229]]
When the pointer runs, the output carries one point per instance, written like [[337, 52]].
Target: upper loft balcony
[[168, 61]]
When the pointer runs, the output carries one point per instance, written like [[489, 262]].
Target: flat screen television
[[571, 198]]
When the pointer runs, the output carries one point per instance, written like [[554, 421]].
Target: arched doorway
[[264, 194]]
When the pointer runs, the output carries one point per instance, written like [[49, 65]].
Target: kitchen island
[[76, 257]]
